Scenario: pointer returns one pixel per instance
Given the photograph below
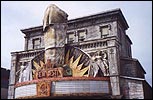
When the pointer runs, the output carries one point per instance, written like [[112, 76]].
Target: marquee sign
[[66, 86], [49, 73]]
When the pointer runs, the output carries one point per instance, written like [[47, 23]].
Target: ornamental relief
[[99, 61], [43, 89], [77, 63]]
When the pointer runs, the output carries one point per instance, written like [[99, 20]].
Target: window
[[36, 43], [104, 31], [82, 35], [71, 37]]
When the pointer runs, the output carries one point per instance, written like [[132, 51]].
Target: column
[[11, 90]]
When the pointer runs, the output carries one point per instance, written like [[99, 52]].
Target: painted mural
[[77, 63]]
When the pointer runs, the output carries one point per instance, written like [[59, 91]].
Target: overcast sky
[[17, 15]]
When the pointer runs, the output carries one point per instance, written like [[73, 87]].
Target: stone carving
[[25, 73], [99, 60], [105, 67], [55, 34], [93, 71], [53, 15], [60, 36], [49, 38], [59, 56]]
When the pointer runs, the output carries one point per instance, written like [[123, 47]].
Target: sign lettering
[[53, 72]]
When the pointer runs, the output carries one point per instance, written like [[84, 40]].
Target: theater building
[[94, 62]]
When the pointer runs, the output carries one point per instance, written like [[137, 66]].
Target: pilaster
[[12, 76], [114, 70]]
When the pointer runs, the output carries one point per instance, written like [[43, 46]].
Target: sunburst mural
[[37, 67], [77, 70], [75, 64]]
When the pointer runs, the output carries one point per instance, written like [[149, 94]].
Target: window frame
[[71, 40], [80, 39], [38, 45], [101, 32]]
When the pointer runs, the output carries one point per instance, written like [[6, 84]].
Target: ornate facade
[[95, 60]]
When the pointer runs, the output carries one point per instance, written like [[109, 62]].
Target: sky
[[17, 15]]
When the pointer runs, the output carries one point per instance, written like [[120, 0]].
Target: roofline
[[27, 51], [129, 39], [133, 78], [147, 83], [100, 14], [103, 13], [137, 61], [32, 29], [94, 15], [140, 65]]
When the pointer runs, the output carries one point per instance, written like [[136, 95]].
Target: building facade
[[93, 34], [4, 82]]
